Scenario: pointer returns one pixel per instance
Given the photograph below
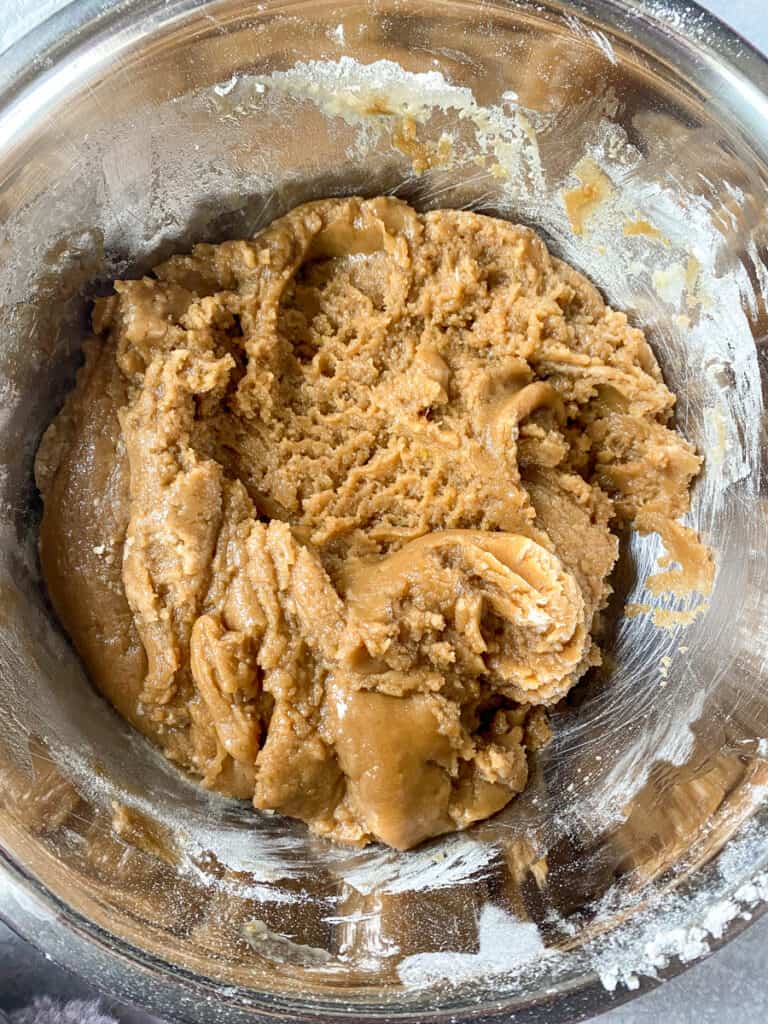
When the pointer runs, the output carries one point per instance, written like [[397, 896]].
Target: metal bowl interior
[[132, 130]]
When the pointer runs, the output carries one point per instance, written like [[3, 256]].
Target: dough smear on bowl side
[[328, 513]]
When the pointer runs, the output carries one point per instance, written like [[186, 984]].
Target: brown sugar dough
[[327, 515]]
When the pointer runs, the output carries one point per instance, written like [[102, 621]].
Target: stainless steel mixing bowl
[[132, 128]]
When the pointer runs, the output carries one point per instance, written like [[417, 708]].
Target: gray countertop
[[732, 985]]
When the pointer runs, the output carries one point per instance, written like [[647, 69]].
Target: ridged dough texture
[[328, 514]]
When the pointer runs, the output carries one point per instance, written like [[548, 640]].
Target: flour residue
[[506, 944], [456, 860], [383, 98], [662, 944]]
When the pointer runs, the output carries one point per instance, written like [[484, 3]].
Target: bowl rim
[[700, 43]]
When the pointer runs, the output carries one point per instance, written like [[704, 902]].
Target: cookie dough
[[328, 514]]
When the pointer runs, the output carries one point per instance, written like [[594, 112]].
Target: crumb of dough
[[583, 200], [667, 618], [696, 568], [644, 228], [423, 155], [633, 609], [671, 618], [359, 475]]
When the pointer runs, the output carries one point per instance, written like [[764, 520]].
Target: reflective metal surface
[[130, 130]]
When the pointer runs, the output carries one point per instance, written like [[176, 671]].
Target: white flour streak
[[457, 860], [505, 944]]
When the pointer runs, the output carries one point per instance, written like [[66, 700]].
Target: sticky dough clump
[[327, 515]]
